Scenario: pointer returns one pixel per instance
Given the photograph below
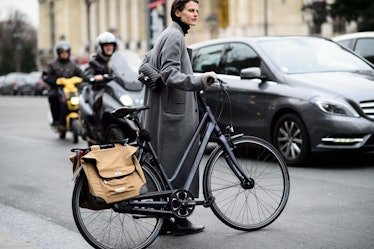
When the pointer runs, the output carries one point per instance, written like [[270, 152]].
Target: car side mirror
[[250, 73]]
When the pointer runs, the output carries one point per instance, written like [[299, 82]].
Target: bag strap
[[147, 57], [116, 145]]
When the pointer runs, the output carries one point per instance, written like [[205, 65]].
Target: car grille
[[368, 108]]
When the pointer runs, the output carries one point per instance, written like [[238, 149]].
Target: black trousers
[[54, 104], [58, 109], [98, 106]]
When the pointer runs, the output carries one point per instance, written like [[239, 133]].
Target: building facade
[[80, 21]]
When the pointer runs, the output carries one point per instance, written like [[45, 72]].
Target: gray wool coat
[[173, 115]]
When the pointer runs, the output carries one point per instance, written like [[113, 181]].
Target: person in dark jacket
[[174, 116], [98, 67], [61, 67]]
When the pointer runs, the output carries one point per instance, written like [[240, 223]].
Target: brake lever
[[222, 84]]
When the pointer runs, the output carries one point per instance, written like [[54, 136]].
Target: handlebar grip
[[105, 77]]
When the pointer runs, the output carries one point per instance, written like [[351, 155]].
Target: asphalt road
[[331, 203]]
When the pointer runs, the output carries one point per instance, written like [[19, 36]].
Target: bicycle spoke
[[107, 229], [254, 207]]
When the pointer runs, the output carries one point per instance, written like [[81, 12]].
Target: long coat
[[173, 115]]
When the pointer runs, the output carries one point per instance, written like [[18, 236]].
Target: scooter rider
[[61, 67], [98, 66]]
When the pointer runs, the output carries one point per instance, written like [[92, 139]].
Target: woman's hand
[[209, 78]]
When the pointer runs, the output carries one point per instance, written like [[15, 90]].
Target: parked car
[[361, 42], [41, 88], [303, 94], [12, 83], [29, 85], [2, 81], [34, 85]]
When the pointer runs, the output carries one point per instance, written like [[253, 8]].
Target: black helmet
[[62, 46], [105, 38]]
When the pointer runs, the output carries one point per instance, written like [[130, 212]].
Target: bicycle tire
[[107, 229], [247, 209]]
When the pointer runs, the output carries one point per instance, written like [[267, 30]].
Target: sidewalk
[[7, 242], [23, 230]]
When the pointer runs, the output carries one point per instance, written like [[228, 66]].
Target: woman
[[174, 113]]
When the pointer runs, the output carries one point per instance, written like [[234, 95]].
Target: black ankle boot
[[167, 227], [184, 226]]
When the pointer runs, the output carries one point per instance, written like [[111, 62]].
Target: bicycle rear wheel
[[103, 228], [247, 209]]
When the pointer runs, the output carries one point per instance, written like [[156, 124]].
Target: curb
[[23, 230]]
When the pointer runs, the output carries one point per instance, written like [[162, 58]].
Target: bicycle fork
[[245, 181]]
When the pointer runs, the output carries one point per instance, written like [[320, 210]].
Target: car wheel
[[291, 138]]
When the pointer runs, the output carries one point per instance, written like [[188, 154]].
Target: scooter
[[122, 89], [68, 94]]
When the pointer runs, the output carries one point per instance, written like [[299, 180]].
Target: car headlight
[[335, 107], [74, 100], [126, 100]]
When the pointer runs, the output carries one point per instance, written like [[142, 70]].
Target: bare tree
[[360, 11], [17, 44]]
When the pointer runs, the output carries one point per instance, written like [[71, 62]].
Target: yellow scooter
[[69, 95]]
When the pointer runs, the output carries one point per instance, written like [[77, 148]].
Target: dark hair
[[179, 5]]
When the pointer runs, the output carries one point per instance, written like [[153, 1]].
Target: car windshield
[[311, 55]]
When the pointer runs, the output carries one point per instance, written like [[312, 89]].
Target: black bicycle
[[245, 183]]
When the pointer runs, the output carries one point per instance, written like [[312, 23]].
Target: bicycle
[[245, 183]]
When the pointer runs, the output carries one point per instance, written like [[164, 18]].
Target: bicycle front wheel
[[242, 207], [104, 228]]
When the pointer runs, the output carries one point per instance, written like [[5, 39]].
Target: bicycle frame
[[209, 122], [246, 196]]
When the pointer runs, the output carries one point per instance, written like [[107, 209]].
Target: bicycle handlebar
[[131, 112]]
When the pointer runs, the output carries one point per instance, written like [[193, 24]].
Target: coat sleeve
[[176, 69], [81, 74], [49, 76], [90, 71]]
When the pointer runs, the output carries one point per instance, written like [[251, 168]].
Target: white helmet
[[105, 38]]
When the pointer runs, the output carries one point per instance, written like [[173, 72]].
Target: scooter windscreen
[[125, 75]]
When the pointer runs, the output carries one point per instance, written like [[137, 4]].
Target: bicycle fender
[[76, 174], [237, 136]]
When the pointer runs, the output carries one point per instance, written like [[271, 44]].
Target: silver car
[[303, 94], [361, 42]]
